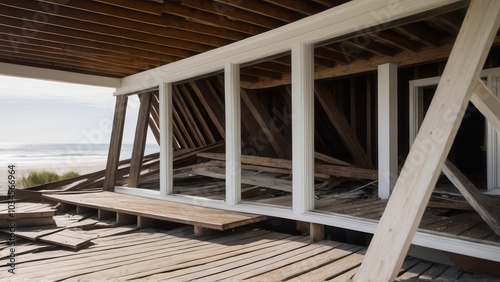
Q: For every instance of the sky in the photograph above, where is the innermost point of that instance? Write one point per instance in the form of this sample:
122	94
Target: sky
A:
40	111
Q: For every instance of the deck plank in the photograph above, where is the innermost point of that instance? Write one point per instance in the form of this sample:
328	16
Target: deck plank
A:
162	210
333	269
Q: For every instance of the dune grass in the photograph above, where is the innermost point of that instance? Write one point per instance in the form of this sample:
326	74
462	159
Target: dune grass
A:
36	178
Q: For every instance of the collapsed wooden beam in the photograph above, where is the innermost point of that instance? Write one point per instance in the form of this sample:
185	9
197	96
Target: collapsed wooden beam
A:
432	144
141	132
325	169
115	144
487	103
343	128
267	126
484	207
257	180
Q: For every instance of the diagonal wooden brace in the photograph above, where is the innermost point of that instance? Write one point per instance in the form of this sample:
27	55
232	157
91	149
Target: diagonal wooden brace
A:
432	144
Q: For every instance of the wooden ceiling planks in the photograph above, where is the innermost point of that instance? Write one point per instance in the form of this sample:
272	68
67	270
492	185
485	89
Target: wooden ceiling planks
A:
226	13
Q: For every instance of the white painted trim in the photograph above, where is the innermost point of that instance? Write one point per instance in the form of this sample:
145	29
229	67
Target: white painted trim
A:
422	238
303	127
58	75
416	103
141	192
456	245
233	133
416	117
342	20
166	139
387	128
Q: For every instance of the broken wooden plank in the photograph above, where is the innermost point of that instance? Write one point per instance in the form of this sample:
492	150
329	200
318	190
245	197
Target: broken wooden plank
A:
331	160
336	170
261	181
349	172
67	238
484	207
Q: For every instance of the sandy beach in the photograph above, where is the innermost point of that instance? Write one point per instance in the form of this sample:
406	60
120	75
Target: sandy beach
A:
25	170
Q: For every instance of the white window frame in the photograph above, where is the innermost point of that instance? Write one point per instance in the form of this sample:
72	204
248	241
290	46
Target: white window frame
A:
492	136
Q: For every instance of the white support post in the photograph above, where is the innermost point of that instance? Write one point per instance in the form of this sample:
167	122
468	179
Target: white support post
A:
387	129
233	133
303	127
166	140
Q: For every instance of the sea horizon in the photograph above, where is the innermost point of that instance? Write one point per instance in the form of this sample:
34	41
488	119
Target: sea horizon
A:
62	154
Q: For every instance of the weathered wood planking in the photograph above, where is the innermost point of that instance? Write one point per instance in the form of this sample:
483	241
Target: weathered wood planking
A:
169	211
253	255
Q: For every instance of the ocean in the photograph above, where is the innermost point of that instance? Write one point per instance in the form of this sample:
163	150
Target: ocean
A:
62	155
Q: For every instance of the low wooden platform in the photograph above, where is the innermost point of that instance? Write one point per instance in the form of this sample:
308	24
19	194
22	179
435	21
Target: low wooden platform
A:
176	255
126	205
25	214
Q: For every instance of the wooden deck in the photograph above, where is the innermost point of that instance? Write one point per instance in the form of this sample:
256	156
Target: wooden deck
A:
157	209
256	255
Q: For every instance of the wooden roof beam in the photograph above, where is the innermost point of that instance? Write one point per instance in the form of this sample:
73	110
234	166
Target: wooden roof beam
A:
349	52
391	37
126	19
450	22
260	72
115	34
264	9
165	21
299	6
416	32
226	12
325	53
210	19
272	66
369	44
140	6
84	46
27	48
114	43
331	3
